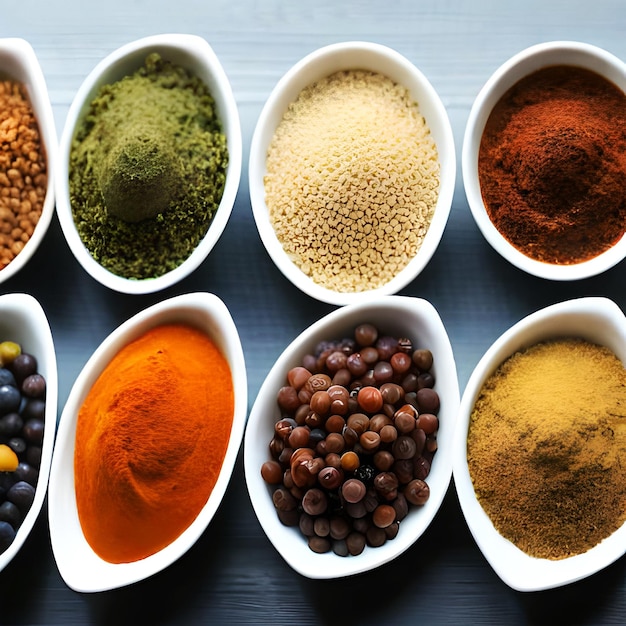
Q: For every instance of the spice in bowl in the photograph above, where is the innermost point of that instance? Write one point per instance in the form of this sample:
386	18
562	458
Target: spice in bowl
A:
147	170
544	447
22	412
353	447
551	165
352	179
151	438
23	171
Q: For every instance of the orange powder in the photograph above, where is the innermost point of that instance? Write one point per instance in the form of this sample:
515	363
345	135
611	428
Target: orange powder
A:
151	438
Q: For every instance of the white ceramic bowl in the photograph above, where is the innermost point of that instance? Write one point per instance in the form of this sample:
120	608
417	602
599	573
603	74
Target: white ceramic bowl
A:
23	320
396	315
197	56
315	66
522	64
597	320
81	568
19	62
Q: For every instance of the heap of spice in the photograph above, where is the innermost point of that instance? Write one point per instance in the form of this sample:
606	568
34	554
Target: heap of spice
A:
23	170
552	165
352	180
147	170
545	449
151	437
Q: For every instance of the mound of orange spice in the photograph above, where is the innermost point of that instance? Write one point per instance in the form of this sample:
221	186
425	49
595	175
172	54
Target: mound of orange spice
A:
151	438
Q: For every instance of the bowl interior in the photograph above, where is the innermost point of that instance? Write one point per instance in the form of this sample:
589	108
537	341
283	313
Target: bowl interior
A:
18	62
597	320
23	320
194	54
317	65
398	315
81	568
516	68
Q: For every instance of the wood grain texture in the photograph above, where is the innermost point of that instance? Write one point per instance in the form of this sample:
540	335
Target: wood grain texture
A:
233	575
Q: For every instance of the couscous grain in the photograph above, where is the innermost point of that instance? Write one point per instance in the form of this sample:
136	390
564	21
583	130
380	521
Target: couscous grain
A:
352	180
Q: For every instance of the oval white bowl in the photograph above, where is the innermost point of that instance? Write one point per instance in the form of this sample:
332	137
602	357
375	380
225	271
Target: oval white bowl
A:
396	315
597	320
517	67
81	568
23	320
19	62
317	65
197	56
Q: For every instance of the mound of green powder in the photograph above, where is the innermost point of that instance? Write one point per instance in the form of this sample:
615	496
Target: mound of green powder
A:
147	170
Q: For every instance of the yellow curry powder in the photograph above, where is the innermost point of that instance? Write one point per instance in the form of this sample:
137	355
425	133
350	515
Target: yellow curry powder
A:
547	447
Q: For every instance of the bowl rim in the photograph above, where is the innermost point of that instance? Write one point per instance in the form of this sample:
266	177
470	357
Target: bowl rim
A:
34	324
315	65
427	326
524	62
195	53
597	319
81	569
20	63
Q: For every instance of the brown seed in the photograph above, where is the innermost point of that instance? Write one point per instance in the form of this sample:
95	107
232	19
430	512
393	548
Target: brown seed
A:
384	515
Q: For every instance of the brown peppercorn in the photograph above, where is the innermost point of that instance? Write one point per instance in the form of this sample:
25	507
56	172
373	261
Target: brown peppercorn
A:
383	460
417	492
388	433
375	536
320	402
392	393
339	527
423	359
404	418
320	545
297	376
356	543
283	500
401	506
335	442
359	422
283	428
370	399
428	422
386	485
314	501
427	400
288	400
378	421
272	472
334	424
404	447
370	441
392	530
340	397
330	477
350	461
384	515
321	526
306	524
353	490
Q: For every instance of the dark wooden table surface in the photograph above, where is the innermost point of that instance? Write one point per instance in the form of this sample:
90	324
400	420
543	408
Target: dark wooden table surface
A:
233	575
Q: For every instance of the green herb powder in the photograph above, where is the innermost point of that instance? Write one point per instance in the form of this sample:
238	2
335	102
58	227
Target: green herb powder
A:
147	170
